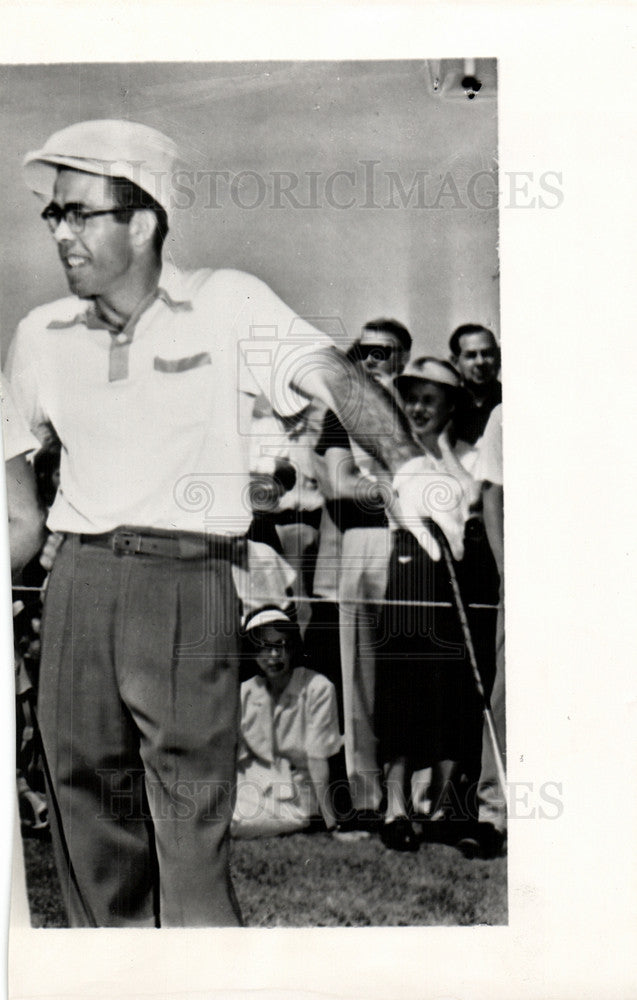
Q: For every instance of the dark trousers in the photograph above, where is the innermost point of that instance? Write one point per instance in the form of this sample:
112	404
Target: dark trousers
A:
139	719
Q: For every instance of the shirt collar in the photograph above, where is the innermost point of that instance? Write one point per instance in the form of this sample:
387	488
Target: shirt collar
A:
170	290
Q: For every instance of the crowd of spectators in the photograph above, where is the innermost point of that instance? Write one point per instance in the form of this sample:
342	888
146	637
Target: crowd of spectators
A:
359	707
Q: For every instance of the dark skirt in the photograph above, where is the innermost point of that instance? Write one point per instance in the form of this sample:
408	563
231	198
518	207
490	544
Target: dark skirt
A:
427	707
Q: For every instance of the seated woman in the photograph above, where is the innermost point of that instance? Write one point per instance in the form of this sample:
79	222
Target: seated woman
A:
289	730
428	714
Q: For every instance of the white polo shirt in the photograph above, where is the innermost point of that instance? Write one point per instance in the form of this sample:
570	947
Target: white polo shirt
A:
154	420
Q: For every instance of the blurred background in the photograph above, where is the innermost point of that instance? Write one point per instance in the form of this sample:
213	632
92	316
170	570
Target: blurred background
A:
354	189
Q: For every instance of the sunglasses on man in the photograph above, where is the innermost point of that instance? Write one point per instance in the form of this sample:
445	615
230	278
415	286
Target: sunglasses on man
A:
378	352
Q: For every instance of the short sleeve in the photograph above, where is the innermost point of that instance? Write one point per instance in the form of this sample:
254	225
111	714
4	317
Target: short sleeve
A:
17	438
323	738
333	435
488	467
23	376
275	344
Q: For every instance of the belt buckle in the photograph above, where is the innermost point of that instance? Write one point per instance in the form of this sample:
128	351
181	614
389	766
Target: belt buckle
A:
126	542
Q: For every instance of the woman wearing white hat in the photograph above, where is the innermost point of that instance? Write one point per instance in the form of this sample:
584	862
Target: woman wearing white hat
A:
427	708
289	730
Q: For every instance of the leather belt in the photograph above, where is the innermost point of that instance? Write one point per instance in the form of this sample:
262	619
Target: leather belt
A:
131	541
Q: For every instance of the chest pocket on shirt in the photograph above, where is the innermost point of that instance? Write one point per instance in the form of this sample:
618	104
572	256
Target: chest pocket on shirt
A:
187	391
177	365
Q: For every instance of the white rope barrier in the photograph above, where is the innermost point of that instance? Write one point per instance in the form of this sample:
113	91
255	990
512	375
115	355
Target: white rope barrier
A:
382	602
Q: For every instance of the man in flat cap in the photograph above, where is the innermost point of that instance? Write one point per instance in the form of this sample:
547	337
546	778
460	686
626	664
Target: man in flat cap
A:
146	375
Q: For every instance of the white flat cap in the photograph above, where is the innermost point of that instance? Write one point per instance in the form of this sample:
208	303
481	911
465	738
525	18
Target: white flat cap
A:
428	370
112	148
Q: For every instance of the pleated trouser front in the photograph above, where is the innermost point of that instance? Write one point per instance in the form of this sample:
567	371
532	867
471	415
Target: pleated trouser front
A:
139	717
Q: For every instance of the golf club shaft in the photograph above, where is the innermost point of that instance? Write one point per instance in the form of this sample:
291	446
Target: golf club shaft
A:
464	623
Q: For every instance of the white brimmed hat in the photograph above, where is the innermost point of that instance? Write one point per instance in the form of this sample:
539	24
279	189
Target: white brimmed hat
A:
428	370
267	616
111	148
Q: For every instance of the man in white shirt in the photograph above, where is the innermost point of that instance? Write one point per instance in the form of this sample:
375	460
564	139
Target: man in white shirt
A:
147	375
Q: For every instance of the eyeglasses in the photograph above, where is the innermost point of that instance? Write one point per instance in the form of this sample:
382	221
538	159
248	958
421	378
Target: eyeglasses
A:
379	352
75	216
278	647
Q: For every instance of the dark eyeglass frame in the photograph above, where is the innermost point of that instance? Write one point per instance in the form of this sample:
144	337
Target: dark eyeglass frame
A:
75	216
285	645
381	352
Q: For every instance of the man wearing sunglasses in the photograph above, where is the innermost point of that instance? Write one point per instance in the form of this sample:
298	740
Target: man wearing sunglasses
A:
384	348
356	503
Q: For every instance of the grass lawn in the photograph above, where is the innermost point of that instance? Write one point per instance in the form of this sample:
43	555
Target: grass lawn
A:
312	880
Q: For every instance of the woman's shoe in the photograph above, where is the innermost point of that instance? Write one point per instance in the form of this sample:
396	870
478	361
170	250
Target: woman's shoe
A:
399	835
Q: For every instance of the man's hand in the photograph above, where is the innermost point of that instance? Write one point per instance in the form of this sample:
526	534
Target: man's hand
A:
423	493
407	510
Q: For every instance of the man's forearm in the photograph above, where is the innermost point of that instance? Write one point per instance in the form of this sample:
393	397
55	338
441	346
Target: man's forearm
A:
366	411
26	519
382	429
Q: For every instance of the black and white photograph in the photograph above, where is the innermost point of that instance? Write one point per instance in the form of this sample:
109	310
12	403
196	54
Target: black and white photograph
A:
301	370
258	583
